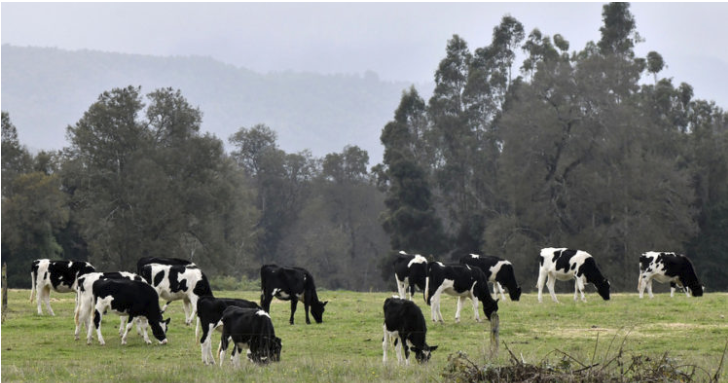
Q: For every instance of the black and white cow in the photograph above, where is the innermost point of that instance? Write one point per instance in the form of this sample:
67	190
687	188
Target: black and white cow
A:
209	313
461	281
128	298
85	300
409	271
59	276
404	326
174	282
664	267
498	271
565	264
161	261
250	329
292	284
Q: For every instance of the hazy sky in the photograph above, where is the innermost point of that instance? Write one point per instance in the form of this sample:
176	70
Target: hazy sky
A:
399	41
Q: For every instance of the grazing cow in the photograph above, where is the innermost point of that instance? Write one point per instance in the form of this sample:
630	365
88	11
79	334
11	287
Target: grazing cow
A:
404	326
128	298
60	276
209	313
161	261
292	284
498	271
85	299
461	281
174	282
565	264
251	329
409	271
668	267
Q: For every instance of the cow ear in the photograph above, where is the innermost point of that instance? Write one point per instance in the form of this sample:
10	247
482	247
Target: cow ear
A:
324	303
433	348
166	321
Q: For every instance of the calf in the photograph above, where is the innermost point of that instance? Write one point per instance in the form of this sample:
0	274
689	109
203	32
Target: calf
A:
498	271
251	329
60	276
209	313
174	282
461	281
292	284
565	264
128	298
409	271
666	267
404	326
85	299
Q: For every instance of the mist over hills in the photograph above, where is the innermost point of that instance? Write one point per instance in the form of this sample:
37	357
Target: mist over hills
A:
47	89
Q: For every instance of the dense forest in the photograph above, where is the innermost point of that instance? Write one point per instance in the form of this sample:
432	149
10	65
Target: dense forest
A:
588	149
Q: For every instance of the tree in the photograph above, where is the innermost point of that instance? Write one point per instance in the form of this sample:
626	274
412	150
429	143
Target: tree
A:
143	181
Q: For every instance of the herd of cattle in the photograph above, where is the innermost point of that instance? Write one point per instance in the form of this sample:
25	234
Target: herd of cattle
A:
135	297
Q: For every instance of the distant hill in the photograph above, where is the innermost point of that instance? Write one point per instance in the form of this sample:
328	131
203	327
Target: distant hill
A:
47	89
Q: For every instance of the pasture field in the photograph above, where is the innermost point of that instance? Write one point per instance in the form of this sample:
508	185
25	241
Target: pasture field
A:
347	347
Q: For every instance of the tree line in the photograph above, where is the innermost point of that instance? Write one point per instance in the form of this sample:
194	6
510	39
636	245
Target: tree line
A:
571	149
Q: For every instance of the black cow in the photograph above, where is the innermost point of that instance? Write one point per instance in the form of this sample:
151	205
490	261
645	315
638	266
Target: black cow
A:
251	329
409	271
461	281
209	313
60	276
292	284
565	264
128	298
498	271
664	267
405	326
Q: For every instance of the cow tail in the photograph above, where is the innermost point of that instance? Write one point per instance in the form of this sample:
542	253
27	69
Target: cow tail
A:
33	277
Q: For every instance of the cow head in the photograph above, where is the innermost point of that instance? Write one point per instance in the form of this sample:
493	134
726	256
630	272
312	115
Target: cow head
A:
423	354
515	294
266	350
317	310
490	308
696	289
603	289
160	331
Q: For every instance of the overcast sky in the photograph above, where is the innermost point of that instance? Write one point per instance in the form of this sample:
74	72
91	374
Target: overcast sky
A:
402	41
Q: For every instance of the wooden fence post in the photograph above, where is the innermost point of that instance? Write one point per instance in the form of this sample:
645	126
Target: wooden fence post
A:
494	334
5	290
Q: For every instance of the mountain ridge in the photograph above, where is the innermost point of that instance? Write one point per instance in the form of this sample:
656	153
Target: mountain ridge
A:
319	112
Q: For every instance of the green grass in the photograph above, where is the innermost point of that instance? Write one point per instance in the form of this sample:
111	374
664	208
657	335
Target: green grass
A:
347	346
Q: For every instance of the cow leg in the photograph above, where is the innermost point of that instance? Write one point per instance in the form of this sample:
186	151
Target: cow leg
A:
97	324
475	306
398	350
47	300
403	344
401	287
129	325
385	343
122	325
579	287
236	355
265	299
221	351
539	285
164	308
305	309
649	288
550	284
459	307
294	303
502	292
641	284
